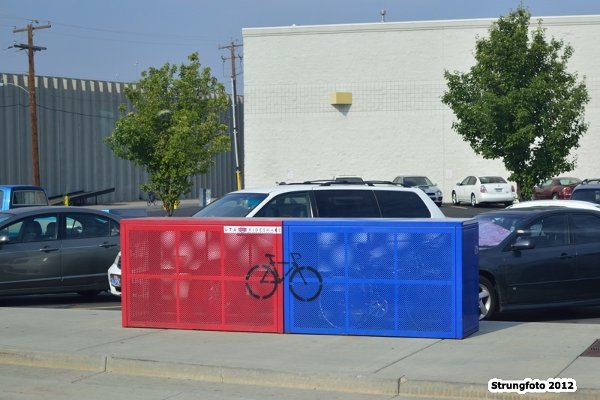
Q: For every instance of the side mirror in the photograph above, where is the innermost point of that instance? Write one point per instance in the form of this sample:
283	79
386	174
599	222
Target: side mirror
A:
4	239
522	244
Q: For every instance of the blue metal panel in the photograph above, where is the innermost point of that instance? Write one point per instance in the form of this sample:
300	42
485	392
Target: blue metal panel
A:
383	277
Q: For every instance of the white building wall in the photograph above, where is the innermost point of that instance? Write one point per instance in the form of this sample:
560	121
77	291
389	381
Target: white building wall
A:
396	123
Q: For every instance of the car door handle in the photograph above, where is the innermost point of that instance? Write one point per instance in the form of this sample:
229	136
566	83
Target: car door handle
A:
47	249
107	245
565	256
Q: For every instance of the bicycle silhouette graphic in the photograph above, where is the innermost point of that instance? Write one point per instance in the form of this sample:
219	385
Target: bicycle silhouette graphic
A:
305	282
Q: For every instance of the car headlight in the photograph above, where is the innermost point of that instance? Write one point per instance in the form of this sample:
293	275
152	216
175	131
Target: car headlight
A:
115	280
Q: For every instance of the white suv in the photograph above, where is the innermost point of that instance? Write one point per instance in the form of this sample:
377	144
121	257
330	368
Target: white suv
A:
325	199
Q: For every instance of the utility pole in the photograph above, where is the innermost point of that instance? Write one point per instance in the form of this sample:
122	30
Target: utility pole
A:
32	103
232	46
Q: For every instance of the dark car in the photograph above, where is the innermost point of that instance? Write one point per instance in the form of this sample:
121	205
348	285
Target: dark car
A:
555	188
538	258
587	190
423	183
56	249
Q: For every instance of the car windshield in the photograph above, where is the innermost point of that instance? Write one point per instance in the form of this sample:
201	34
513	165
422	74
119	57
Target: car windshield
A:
417	181
569	181
4	217
491	179
232	205
493	229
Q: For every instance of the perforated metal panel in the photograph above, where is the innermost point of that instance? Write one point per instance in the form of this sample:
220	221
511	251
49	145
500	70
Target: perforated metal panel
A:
385	277
192	274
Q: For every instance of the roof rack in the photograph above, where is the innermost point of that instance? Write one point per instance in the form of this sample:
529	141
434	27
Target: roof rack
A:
341	181
586	181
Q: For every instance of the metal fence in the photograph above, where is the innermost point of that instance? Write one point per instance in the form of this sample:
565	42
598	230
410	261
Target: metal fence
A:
74	116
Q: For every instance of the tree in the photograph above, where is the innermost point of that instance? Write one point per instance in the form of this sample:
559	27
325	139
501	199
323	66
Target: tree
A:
518	103
174	129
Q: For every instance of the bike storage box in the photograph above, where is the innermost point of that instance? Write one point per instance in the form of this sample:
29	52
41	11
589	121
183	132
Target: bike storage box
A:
190	273
410	278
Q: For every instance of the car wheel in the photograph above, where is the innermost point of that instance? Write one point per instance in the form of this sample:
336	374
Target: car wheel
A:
473	200
508	203
454	199
488	299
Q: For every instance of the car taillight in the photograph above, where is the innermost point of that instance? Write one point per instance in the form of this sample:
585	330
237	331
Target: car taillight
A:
482	189
512	188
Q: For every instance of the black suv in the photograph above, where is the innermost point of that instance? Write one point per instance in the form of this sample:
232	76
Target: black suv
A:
587	190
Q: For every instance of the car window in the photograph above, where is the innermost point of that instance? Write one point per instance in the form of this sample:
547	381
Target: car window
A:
29	197
591	195
399	204
549	231
346	204
49	228
288	205
492	179
587	228
33	229
569	181
232	205
417	181
80	225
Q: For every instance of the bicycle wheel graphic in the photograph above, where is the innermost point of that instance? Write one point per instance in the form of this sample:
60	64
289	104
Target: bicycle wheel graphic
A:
261	281
306	283
357	305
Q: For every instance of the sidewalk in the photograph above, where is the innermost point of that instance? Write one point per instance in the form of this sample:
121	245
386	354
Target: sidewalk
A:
95	341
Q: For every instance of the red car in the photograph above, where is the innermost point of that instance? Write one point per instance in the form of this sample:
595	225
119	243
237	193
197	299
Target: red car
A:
556	188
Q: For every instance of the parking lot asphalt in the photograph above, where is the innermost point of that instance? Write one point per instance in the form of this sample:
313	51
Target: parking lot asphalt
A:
92	340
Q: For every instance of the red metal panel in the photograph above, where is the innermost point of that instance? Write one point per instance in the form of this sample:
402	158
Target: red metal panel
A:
190	273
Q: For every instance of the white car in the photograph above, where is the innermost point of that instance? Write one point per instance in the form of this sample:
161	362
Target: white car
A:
484	189
579	204
114	276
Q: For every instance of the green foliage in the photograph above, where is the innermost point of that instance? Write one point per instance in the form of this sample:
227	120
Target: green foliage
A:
174	130
518	103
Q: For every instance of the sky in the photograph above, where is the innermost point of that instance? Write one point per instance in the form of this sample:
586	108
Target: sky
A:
115	40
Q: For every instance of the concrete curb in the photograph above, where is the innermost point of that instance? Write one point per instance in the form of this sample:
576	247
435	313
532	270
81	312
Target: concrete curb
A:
252	376
261	377
452	390
83	362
